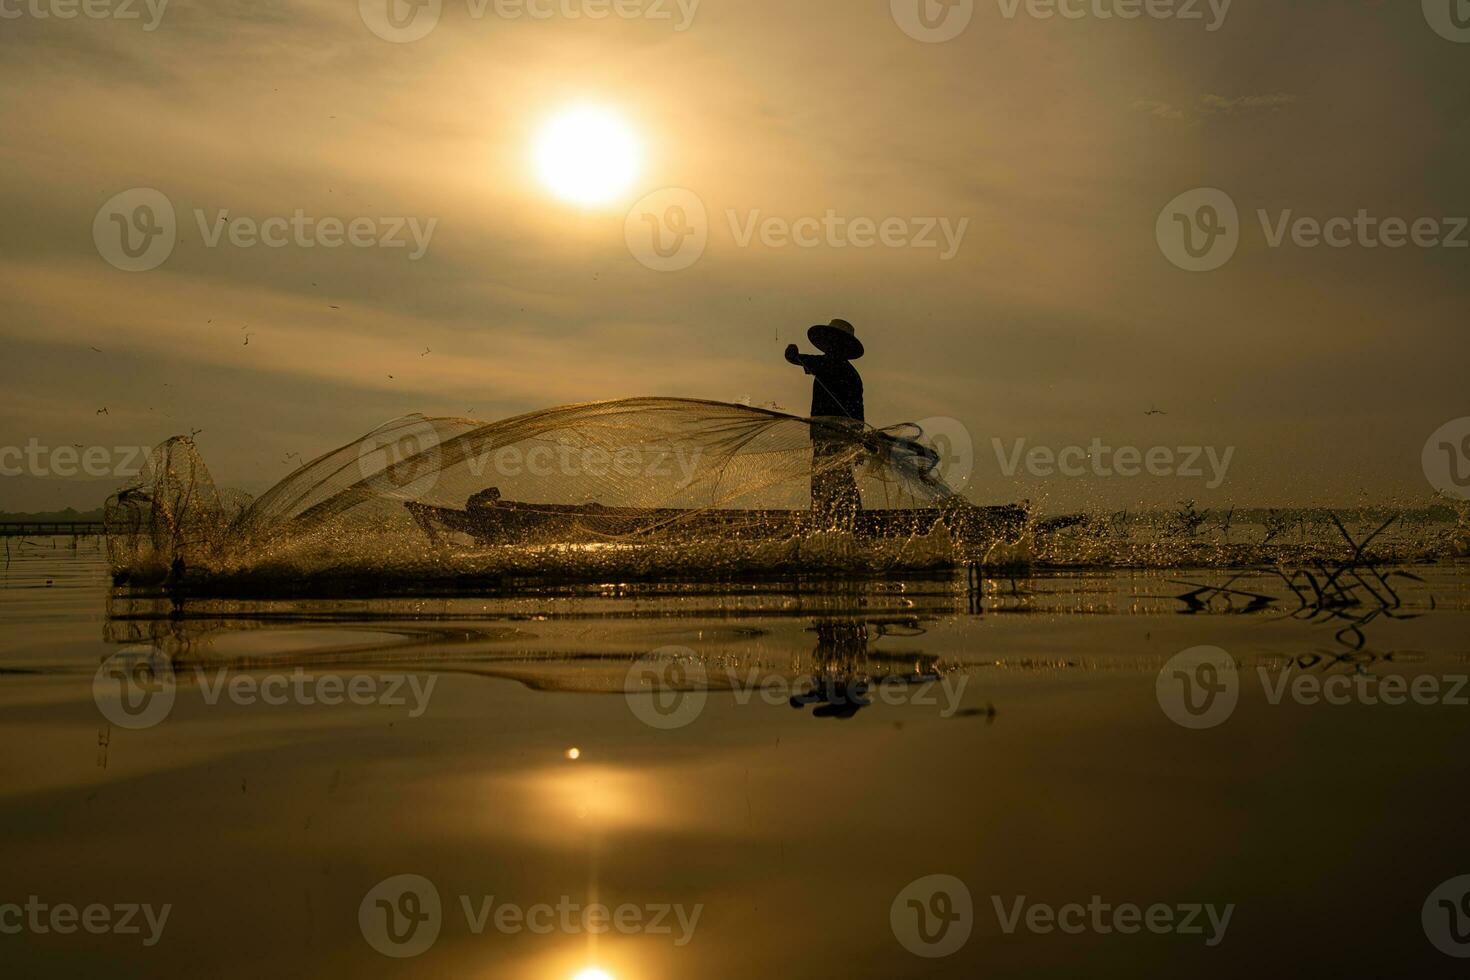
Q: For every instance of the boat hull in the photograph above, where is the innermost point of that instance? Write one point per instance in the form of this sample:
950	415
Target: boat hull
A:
501	522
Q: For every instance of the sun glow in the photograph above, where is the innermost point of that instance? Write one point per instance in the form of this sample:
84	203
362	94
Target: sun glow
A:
593	973
587	155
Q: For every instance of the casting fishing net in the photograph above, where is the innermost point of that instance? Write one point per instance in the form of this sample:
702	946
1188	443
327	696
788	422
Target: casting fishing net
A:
641	485
171	511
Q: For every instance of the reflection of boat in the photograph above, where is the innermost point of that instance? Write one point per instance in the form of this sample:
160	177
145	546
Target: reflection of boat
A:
490	520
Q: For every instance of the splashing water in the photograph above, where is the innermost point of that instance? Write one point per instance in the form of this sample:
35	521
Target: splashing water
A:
650	487
641	486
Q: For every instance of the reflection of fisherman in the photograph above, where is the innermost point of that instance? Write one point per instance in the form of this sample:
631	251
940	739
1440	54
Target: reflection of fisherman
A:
173	584
837	414
839	688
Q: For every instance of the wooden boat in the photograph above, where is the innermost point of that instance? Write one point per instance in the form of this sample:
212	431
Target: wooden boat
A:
489	520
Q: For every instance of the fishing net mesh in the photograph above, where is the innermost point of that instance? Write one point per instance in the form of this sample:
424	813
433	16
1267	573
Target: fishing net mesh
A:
641	484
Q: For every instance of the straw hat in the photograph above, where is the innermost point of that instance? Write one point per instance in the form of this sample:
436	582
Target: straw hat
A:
837	338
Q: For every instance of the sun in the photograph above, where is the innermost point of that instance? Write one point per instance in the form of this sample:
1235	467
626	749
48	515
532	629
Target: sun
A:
587	155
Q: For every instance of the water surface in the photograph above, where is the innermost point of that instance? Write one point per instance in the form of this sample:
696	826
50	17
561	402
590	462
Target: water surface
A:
637	747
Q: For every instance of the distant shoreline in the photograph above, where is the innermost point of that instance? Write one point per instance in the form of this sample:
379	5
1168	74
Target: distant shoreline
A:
67	514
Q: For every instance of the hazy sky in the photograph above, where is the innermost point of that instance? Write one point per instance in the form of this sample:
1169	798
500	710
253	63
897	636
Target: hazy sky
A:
1054	142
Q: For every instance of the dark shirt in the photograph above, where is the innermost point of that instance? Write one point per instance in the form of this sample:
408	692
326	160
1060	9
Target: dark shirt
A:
837	388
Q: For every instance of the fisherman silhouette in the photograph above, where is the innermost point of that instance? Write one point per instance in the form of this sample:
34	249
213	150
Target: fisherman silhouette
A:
837	416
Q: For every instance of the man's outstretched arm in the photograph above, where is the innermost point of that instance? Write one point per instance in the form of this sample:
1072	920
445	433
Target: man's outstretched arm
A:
794	355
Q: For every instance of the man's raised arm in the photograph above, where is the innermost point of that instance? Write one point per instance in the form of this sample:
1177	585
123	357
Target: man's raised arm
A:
794	355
